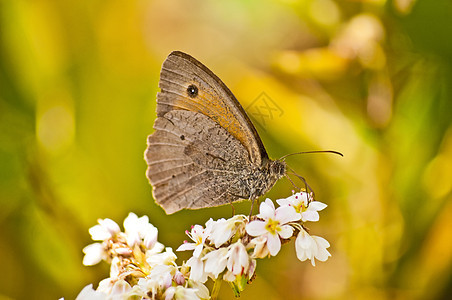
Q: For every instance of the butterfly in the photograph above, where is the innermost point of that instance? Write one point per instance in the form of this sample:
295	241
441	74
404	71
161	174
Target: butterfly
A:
204	151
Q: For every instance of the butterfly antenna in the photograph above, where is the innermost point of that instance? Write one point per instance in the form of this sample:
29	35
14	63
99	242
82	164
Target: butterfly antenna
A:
315	151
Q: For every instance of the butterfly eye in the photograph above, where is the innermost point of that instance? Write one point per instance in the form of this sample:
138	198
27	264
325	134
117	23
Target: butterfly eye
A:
192	91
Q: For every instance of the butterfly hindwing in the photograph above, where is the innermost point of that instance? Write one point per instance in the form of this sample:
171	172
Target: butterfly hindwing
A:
188	166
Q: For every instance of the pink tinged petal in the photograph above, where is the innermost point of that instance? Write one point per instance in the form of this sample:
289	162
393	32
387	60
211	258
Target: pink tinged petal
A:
251	269
186	246
179	278
93	254
286	231
310	215
286	214
266	209
243	257
317	205
256	228
238	259
273	244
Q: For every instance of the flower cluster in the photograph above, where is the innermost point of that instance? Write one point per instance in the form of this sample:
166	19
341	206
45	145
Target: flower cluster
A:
223	250
141	267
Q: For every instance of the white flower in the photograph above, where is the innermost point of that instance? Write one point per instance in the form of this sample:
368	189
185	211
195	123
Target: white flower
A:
146	286
140	230
105	230
163	274
198	235
238	259
260	246
303	206
310	247
197	272
215	261
252	268
94	253
181	293
115	267
201	290
89	293
222	230
114	288
165	258
273	226
158	248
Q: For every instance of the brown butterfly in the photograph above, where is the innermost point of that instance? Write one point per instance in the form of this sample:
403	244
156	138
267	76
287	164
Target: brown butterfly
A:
205	151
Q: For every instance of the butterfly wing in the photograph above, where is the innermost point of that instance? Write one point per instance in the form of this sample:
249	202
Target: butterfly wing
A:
204	145
180	72
189	165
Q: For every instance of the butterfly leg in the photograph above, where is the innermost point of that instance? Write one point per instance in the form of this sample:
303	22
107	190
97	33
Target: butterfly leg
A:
251	209
308	189
233	209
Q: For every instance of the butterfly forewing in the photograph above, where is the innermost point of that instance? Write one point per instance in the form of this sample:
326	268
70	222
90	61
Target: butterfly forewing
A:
213	99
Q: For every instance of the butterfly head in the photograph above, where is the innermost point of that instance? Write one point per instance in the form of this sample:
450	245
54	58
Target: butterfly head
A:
278	168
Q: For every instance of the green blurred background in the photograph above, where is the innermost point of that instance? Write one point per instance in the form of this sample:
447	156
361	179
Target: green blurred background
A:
371	79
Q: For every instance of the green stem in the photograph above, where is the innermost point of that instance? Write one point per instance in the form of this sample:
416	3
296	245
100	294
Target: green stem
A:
216	288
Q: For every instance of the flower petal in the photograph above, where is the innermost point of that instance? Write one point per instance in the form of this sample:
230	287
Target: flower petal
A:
266	209
286	231
256	228
285	202
286	214
197	269
198	250
322	254
310	215
93	254
273	244
186	246
215	261
317	205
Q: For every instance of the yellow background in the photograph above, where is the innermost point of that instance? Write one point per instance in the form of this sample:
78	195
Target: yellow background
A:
371	79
